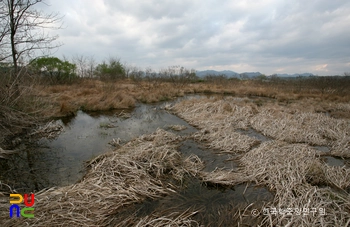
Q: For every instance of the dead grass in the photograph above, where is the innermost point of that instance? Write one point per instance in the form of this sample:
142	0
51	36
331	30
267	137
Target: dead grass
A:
218	124
304	127
284	167
171	220
19	106
219	120
151	167
177	127
147	167
95	95
338	176
287	165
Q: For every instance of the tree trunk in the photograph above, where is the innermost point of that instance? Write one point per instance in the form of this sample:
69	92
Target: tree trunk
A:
13	33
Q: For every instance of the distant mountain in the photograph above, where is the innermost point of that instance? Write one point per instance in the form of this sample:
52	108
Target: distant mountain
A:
247	75
250	74
227	73
295	75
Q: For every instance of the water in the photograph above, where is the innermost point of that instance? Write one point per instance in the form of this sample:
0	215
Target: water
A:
211	159
214	205
333	161
322	149
61	161
254	134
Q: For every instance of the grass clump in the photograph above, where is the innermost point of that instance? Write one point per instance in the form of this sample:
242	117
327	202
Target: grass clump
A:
147	167
177	127
288	165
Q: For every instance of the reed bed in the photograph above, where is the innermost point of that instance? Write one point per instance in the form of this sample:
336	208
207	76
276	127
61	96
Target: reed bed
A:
150	167
338	177
284	168
174	219
147	167
304	127
288	164
95	95
218	121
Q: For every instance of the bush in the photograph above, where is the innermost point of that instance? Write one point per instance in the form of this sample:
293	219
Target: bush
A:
113	70
54	69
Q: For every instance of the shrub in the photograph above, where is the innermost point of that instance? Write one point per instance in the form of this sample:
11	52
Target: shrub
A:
54	69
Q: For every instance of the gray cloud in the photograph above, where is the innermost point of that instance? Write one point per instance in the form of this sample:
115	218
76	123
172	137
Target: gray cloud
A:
268	36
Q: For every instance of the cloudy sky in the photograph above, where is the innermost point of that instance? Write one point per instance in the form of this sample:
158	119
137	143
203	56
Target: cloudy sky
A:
270	36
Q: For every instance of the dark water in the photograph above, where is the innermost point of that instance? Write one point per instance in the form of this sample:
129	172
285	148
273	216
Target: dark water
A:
214	206
60	161
211	159
207	198
322	149
334	161
254	134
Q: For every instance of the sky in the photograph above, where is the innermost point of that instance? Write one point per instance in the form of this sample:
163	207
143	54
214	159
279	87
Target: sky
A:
269	36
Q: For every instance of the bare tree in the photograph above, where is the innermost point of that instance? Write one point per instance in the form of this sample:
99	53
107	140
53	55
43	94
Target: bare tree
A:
178	75
135	74
23	30
4	31
81	63
91	65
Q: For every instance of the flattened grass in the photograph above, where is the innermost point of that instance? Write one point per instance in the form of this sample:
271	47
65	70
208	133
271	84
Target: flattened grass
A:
150	167
288	165
146	167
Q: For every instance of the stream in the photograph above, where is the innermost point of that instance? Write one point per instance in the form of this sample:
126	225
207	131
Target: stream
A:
60	162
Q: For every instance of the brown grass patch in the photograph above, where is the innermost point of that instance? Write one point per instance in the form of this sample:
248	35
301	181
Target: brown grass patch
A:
287	165
87	93
218	126
177	127
147	167
95	95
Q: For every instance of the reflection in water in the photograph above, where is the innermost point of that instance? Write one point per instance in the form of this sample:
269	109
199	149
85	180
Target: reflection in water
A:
211	160
67	120
59	162
31	169
214	205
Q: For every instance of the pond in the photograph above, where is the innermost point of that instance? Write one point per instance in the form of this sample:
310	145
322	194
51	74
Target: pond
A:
60	161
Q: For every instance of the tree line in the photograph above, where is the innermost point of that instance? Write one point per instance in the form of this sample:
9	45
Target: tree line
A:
58	70
24	37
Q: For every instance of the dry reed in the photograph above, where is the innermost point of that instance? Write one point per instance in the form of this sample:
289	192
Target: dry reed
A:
150	166
94	95
146	167
287	165
173	219
219	120
177	127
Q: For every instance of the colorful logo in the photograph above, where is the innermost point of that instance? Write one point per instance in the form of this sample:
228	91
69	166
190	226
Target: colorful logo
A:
18	200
